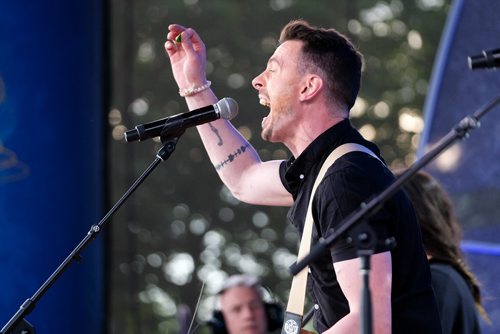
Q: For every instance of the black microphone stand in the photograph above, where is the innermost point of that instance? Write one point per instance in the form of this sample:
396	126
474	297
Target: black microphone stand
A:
356	224
17	324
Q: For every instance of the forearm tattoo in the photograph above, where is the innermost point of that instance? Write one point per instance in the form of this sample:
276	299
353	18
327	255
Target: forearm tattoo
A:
232	156
214	130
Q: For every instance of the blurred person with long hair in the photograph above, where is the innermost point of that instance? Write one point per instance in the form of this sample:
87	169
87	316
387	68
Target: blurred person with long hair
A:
457	289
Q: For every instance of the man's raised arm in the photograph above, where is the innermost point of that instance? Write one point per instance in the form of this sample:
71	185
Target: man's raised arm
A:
236	161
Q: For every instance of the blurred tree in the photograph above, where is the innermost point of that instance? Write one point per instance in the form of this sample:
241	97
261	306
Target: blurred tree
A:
182	227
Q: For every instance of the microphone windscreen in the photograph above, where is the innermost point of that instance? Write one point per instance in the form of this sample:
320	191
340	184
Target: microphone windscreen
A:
228	108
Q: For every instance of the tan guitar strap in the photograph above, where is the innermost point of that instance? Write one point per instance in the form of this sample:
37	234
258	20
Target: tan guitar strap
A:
296	299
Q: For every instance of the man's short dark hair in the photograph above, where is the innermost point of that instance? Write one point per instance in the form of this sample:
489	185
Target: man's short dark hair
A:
333	54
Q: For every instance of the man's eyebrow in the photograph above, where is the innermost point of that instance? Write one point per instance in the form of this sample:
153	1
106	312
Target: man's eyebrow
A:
273	60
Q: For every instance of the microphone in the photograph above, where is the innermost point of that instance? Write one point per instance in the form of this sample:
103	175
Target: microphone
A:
488	59
227	108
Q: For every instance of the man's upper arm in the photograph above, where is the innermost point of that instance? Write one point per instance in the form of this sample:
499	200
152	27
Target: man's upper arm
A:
261	184
380	275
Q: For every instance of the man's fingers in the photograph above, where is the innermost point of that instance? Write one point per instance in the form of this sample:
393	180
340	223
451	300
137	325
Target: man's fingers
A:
182	38
185	40
170	46
176	28
175	31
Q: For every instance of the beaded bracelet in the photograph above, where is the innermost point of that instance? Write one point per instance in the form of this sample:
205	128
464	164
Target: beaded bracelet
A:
194	90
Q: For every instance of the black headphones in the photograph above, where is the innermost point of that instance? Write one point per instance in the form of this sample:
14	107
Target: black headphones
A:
274	315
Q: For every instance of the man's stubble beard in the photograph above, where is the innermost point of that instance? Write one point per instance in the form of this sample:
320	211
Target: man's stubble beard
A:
267	132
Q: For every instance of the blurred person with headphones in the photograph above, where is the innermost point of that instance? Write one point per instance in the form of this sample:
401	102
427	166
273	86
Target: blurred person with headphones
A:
243	310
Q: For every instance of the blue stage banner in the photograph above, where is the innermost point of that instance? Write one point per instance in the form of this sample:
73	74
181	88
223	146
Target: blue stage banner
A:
51	161
469	170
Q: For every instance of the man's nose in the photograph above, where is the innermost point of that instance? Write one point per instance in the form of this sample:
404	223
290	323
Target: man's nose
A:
257	82
248	312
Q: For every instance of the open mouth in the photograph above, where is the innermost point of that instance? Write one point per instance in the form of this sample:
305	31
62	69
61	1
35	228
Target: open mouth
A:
264	102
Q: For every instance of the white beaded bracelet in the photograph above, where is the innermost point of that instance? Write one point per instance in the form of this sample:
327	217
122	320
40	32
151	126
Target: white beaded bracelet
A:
194	90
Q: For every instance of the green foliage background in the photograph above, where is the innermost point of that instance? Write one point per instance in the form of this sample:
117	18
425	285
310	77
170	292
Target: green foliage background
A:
182	227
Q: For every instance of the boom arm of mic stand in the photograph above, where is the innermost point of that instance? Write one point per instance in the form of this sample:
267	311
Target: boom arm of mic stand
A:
460	131
169	144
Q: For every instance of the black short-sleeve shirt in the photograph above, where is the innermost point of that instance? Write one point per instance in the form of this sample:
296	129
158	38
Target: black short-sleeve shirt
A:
355	178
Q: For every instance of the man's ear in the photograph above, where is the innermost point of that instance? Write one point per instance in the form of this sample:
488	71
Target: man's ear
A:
313	84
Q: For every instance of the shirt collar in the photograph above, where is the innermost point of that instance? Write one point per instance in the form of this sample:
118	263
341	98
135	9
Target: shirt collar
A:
316	152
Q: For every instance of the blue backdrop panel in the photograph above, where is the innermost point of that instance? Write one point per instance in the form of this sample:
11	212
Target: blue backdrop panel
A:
470	170
51	160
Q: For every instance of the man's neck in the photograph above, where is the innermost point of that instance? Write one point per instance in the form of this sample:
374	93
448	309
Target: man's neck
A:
307	132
